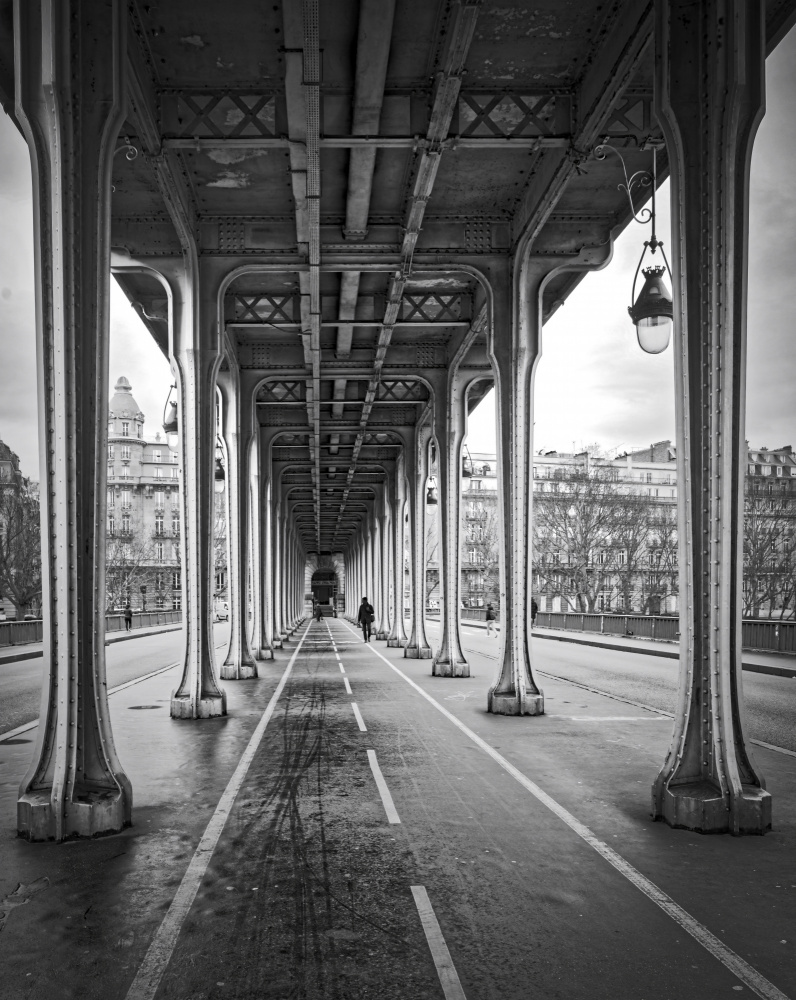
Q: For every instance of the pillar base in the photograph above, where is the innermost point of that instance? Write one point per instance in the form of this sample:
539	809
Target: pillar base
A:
418	652
382	635
237	671
510	703
448	668
204	708
699	806
277	643
396	643
94	813
266	653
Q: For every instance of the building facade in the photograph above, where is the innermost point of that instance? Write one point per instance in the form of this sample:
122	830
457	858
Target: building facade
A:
143	529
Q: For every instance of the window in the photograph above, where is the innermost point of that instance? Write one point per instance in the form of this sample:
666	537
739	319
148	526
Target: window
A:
649	477
110	426
157	455
111	524
159	551
779	470
158	473
751	470
475	484
176	600
174	458
126	451
139	430
125	472
126	499
110	451
159	524
160	499
175	551
125	428
175	581
126	524
766	470
175	525
548	603
174	473
175	501
656	492
111	498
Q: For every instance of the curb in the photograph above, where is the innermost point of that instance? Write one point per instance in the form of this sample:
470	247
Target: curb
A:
109	640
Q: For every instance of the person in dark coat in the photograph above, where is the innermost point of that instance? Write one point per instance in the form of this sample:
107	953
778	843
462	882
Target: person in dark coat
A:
128	618
534	611
365	618
490	620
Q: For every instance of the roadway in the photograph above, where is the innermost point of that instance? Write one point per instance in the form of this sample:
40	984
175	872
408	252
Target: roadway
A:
21	680
356	829
649	681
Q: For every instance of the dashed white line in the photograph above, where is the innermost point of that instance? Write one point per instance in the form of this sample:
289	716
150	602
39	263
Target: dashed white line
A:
358	716
446	970
384	791
342	669
347	685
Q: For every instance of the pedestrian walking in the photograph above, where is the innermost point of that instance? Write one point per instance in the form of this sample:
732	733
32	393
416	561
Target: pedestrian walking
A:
365	618
490	620
128	618
318	612
534	612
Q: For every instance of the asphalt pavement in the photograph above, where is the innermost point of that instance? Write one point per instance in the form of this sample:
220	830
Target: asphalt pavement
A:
21	680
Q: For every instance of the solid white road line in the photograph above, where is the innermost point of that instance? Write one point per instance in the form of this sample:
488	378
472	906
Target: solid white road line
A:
744	972
347	685
384	791
610	718
358	717
448	977
157	958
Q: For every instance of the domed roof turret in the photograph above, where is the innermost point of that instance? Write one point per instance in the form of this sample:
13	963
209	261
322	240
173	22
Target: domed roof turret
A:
122	403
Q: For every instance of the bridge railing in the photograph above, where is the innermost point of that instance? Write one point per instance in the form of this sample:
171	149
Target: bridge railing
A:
765	634
15	633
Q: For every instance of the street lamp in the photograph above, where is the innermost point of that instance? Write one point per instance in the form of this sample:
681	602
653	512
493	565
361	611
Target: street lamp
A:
220	474
652	312
431	493
170	421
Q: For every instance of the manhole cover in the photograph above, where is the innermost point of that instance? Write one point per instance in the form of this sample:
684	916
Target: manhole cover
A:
140	707
12	743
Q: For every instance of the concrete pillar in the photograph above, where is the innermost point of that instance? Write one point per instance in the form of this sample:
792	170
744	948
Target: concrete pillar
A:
257	534
514	350
450	416
237	429
72	58
397	636
417	647
267	557
709	109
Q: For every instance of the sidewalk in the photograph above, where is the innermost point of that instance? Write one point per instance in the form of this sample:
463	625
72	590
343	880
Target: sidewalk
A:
31	650
755	661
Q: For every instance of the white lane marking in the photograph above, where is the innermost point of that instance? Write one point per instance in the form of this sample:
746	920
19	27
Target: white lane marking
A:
741	969
448	977
114	690
384	791
159	953
347	685
358	717
342	668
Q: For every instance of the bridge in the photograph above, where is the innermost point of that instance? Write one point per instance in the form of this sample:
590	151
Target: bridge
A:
343	223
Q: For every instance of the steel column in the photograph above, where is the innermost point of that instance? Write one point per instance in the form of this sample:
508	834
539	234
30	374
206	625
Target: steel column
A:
397	636
70	63
417	647
709	107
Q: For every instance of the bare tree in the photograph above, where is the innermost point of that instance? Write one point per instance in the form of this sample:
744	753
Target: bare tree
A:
126	562
590	538
769	549
20	545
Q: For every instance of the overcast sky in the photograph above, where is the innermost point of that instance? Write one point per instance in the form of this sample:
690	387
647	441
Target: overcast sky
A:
593	383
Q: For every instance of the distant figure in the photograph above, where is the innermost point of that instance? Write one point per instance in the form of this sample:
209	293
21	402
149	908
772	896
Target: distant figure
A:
534	612
490	620
128	618
365	618
318	612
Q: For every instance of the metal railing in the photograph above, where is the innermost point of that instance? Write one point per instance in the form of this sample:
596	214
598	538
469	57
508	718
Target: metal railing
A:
15	633
764	634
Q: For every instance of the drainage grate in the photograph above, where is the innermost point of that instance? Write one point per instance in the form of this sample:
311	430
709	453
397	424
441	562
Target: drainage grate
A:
137	707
